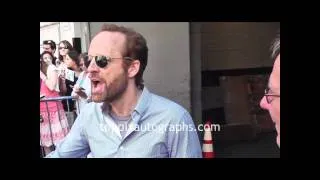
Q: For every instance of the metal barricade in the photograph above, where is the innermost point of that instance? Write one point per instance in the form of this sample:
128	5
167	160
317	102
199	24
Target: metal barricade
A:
56	105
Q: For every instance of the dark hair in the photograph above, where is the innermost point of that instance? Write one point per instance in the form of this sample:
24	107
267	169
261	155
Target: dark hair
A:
136	48
51	43
67	45
74	56
275	47
84	56
43	64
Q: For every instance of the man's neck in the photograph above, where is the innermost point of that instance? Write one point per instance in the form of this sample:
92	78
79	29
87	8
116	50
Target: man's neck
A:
125	105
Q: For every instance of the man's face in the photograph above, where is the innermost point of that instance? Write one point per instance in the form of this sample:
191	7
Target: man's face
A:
273	106
47	47
108	83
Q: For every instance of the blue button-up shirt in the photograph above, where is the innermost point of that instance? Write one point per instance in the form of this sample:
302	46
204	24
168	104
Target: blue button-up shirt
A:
159	128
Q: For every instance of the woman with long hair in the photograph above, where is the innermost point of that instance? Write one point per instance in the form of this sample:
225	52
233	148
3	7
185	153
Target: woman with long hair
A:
54	126
63	49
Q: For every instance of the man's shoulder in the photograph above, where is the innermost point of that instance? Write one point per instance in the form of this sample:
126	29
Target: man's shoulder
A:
90	110
165	104
168	110
91	107
89	113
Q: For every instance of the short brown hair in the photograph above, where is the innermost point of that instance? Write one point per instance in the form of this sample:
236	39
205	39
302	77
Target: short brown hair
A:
136	48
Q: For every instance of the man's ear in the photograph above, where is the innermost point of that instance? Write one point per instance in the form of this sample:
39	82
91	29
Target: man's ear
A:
133	68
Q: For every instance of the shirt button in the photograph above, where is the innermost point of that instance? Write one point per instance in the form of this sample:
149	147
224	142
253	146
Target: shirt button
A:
121	148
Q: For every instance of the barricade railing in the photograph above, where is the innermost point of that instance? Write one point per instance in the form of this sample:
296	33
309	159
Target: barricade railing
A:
69	113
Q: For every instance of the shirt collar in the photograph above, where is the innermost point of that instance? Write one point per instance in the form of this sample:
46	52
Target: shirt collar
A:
143	101
141	107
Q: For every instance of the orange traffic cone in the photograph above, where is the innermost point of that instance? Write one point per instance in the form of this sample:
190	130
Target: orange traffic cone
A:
207	147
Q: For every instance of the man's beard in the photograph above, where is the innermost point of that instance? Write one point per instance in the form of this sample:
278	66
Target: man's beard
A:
114	90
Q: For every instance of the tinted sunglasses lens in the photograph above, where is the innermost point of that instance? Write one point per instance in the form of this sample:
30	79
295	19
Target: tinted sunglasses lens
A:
102	61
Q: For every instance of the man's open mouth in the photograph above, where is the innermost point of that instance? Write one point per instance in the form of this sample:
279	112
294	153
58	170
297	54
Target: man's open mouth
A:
95	83
98	87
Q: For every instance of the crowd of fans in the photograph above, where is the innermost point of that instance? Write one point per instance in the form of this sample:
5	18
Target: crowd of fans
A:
65	75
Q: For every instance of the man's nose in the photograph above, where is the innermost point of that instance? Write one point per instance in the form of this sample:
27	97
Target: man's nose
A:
263	103
92	67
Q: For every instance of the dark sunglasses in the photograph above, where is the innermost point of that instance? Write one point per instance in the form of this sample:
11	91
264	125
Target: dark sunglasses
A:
62	48
103	61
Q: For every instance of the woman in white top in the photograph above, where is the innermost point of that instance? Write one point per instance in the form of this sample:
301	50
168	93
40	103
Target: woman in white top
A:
64	48
82	88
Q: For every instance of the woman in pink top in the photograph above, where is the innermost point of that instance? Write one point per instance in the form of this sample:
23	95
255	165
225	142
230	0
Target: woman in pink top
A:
52	129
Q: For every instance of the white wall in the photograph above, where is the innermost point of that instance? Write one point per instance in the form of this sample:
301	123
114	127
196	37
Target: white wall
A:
67	31
58	31
168	70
